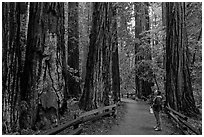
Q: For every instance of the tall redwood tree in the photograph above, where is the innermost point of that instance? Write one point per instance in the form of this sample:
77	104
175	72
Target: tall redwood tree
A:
178	81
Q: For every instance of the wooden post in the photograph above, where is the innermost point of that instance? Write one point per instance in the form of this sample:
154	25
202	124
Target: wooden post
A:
114	112
77	125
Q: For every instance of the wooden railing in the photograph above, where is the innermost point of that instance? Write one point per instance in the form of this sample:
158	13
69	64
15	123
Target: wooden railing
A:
182	121
87	116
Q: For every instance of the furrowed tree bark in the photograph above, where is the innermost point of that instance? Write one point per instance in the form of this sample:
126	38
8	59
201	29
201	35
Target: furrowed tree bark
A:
12	65
164	45
42	70
97	88
84	32
115	60
178	81
61	44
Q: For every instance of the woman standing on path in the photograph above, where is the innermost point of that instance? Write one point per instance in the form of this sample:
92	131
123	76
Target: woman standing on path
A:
157	107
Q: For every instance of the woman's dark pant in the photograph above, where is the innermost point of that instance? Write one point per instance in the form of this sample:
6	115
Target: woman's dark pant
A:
158	119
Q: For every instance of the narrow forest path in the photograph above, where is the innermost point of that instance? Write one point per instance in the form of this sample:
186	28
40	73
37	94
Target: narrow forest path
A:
137	120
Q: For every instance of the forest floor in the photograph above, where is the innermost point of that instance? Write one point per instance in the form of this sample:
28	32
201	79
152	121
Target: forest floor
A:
133	118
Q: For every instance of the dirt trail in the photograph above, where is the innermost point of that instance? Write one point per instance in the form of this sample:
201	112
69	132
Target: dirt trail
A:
137	121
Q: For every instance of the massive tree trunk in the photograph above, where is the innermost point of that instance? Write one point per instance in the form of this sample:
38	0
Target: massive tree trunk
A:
115	60
178	82
97	82
73	48
164	45
12	65
63	54
43	69
84	29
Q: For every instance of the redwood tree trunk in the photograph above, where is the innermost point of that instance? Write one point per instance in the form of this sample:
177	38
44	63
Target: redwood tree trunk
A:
164	45
43	69
97	88
84	29
115	61
12	65
178	82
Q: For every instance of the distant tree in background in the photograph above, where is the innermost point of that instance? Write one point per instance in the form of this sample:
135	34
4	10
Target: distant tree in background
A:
73	48
142	51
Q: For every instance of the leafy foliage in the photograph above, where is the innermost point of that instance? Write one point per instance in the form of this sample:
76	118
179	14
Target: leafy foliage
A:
126	45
